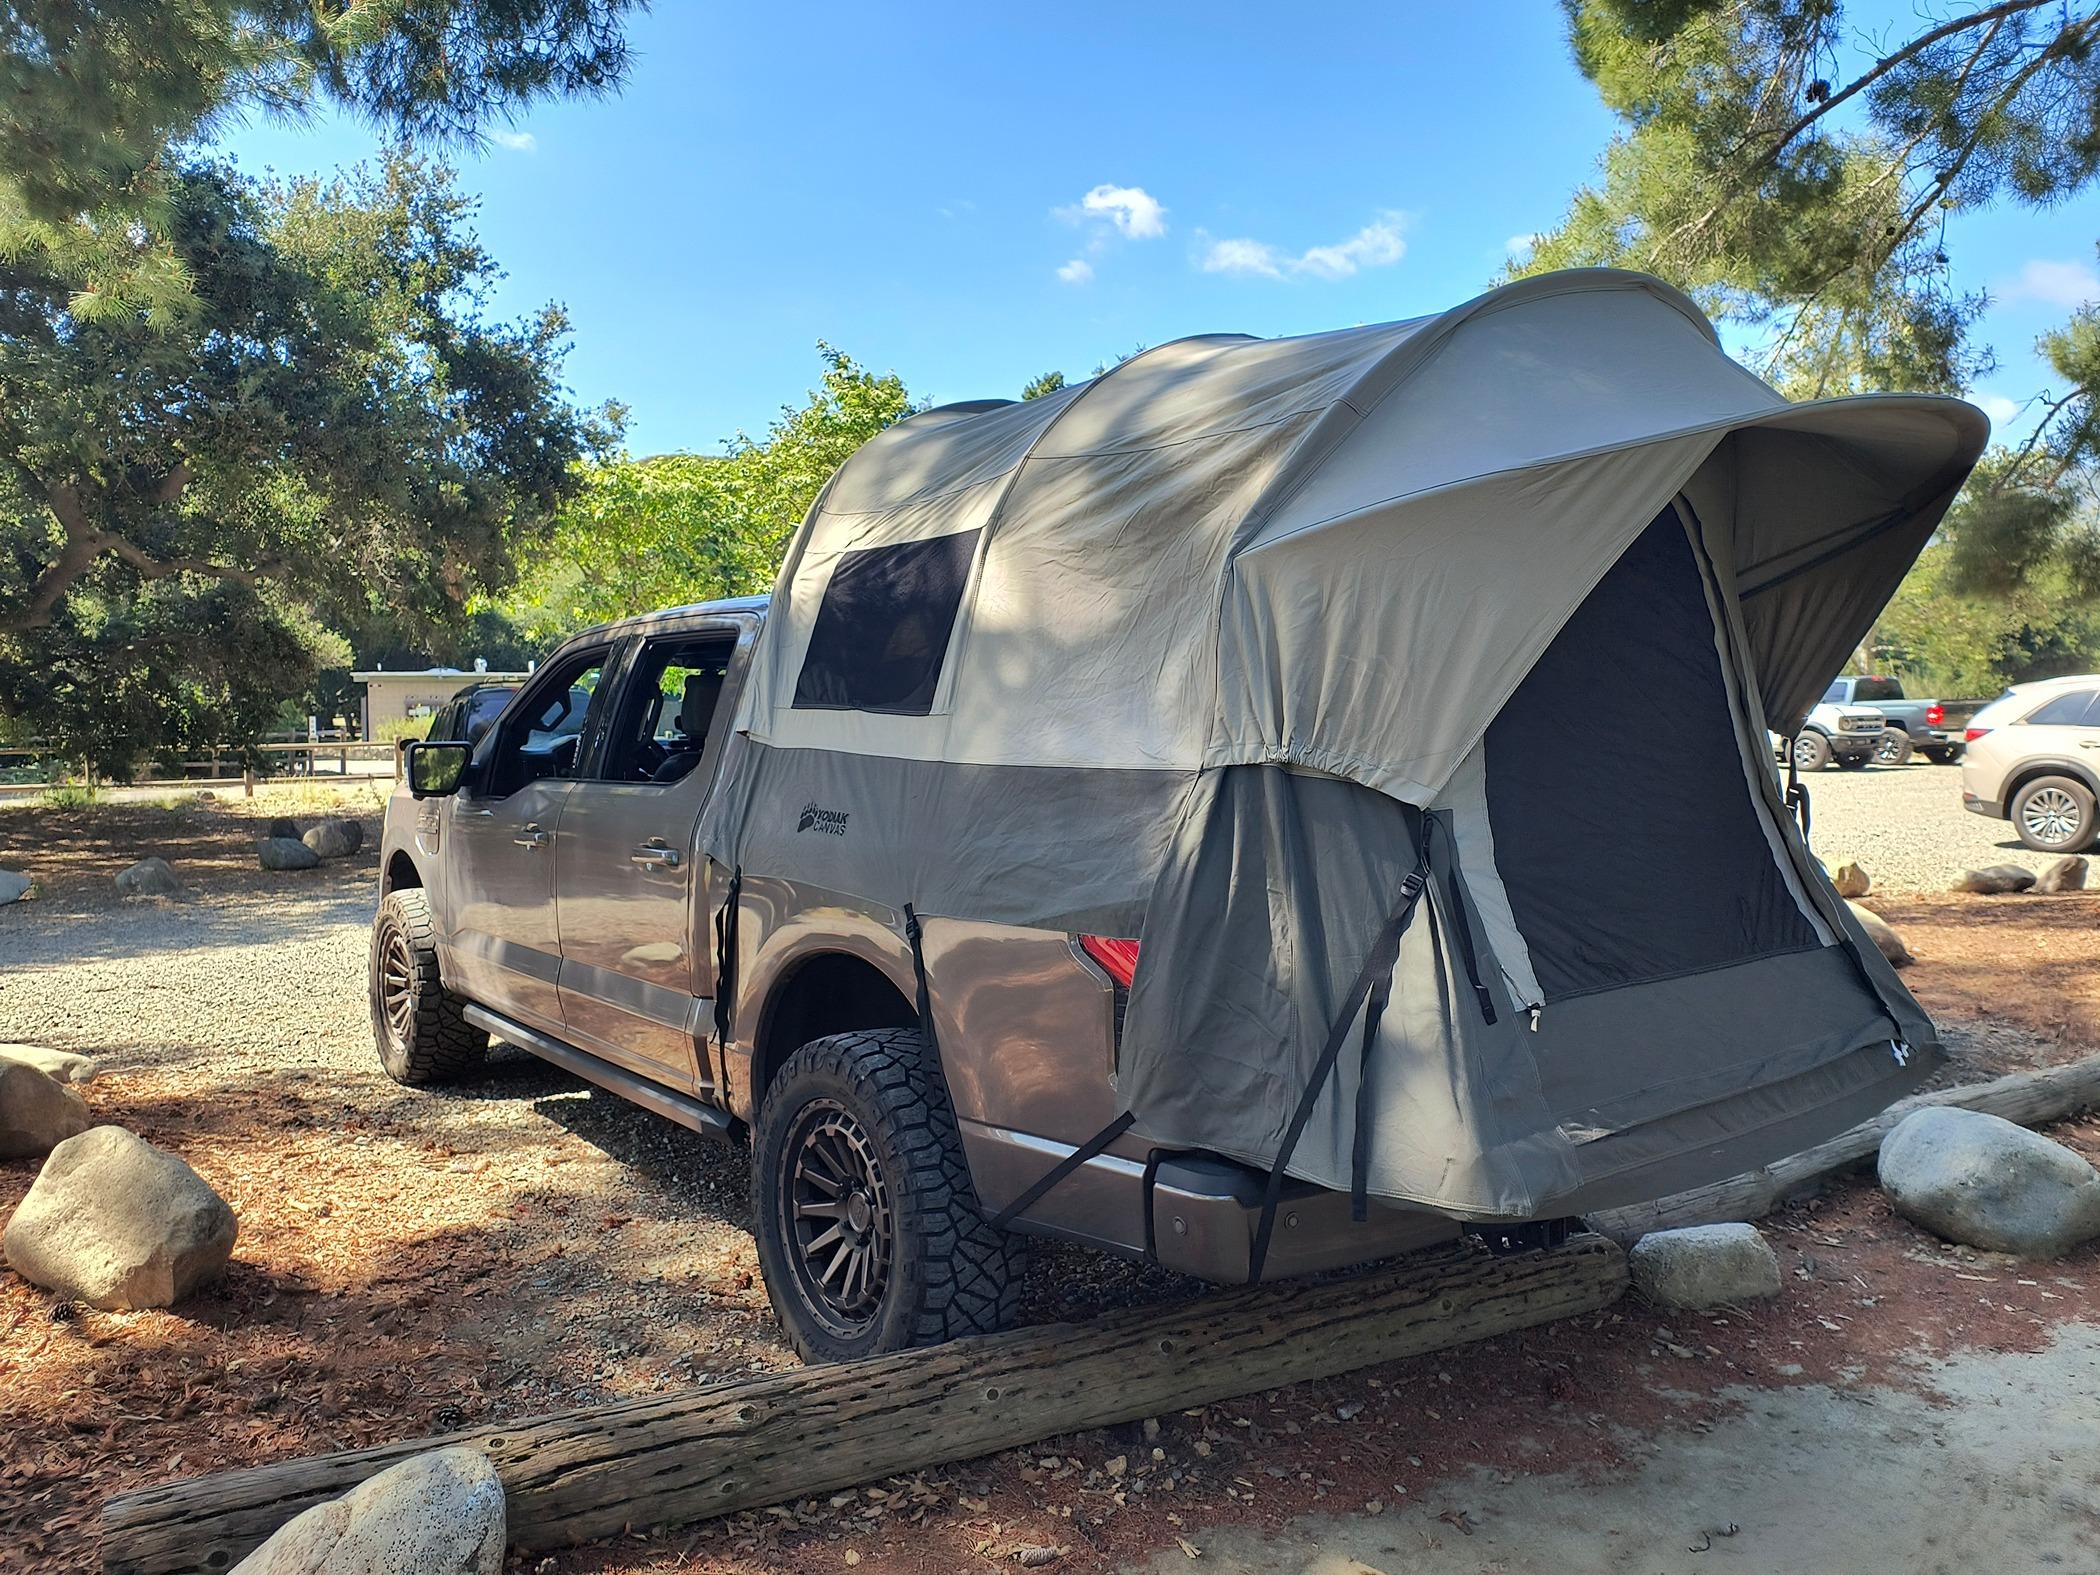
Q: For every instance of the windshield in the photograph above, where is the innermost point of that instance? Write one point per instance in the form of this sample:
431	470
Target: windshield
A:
1868	690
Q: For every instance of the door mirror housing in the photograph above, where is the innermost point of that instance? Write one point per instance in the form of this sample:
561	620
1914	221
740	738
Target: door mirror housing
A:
437	769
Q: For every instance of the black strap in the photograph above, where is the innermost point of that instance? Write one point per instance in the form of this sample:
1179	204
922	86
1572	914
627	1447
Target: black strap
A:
1360	1152
1796	791
1063	1168
1376	966
1152	1159
725	959
915	932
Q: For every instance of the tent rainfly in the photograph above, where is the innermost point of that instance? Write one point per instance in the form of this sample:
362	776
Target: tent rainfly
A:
1404	692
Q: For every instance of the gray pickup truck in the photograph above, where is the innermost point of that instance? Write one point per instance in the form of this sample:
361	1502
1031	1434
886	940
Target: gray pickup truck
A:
539	886
1932	728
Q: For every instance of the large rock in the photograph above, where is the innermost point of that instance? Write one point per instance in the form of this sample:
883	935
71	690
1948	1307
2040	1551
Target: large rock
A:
114	1222
61	1066
335	839
1995	879
1704	1266
283	826
153	877
1851	879
14	886
37	1112
1885	939
435	1514
282	853
2066	874
1983	1181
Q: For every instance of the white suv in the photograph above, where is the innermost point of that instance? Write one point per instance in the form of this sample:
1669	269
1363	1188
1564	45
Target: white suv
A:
2034	759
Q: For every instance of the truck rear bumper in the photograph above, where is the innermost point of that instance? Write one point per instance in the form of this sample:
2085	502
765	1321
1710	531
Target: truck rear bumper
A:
1205	1210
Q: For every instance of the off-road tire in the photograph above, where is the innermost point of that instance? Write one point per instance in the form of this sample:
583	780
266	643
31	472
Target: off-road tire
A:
1938	756
1810	749
949	1271
1894	749
2078	810
1854	762
418	1025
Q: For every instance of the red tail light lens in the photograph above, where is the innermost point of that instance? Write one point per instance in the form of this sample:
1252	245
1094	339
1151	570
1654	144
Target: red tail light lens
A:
1118	957
1935	715
1973	734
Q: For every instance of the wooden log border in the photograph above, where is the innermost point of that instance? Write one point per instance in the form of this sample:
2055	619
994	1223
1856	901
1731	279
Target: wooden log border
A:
676	1459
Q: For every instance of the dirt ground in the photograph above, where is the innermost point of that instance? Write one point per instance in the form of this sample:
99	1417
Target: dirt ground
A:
414	1262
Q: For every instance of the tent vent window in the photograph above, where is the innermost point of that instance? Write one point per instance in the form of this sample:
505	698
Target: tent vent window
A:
882	630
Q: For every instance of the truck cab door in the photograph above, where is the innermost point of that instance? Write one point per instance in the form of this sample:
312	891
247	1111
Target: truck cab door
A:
501	945
636	973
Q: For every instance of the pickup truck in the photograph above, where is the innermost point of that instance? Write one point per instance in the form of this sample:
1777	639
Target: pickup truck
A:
1931	727
540	886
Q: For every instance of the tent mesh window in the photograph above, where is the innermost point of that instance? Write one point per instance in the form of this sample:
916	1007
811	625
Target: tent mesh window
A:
881	632
1625	831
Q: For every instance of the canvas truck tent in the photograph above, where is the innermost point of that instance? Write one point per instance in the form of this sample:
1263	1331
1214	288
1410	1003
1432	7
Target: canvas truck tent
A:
1403	691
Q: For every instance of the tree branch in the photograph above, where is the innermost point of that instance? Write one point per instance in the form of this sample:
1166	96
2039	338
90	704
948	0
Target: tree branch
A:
86	541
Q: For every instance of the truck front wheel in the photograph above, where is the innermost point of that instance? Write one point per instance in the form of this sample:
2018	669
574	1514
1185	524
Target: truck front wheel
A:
418	1024
1811	750
869	1232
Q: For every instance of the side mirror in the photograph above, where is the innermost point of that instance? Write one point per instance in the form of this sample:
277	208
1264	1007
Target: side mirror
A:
436	769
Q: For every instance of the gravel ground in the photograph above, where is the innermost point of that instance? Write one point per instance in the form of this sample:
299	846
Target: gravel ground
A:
1907	826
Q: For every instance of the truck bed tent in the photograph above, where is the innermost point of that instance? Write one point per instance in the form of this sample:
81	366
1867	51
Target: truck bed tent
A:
1221	648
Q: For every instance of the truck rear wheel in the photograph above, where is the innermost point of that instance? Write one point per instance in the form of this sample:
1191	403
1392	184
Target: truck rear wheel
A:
868	1229
419	1025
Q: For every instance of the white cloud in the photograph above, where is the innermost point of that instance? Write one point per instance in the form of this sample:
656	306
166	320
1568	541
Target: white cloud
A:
2065	284
1077	271
1378	244
2000	409
1134	211
516	141
1523	245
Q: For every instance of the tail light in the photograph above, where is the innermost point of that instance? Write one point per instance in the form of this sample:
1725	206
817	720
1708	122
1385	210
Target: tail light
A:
1935	715
1117	957
1974	733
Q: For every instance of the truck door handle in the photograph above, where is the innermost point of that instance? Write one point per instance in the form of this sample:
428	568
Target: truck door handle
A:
533	837
654	855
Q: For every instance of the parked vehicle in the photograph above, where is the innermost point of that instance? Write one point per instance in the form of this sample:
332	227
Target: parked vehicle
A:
1933	728
1158	815
471	712
1847	734
2034	759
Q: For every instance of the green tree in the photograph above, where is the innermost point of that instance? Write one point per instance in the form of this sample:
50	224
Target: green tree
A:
1037	387
94	95
337	425
645	533
1794	169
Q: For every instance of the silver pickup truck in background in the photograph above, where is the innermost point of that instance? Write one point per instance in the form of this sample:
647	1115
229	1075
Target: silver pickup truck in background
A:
1932	728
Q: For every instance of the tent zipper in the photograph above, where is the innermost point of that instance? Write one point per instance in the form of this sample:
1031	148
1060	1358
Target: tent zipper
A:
1536	1010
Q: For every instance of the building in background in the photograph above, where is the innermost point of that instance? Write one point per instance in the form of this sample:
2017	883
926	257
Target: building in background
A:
395	699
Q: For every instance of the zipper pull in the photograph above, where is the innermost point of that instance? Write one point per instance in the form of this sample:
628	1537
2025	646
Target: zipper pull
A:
1534	1011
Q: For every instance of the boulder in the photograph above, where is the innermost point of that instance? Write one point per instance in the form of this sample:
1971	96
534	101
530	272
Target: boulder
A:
61	1066
153	877
37	1111
282	853
335	839
1885	939
283	826
1983	1181
2066	874
1851	880
1995	879
439	1513
14	886
114	1222
1704	1266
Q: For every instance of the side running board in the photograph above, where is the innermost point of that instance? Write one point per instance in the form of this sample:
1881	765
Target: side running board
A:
668	1103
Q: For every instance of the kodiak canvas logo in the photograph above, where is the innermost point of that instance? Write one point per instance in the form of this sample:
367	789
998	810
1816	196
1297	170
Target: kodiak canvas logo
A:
832	821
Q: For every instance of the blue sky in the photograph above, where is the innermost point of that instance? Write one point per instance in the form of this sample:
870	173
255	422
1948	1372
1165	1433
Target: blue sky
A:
970	196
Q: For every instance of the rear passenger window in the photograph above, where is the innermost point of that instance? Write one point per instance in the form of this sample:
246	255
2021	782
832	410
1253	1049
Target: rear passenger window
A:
882	630
2075	709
